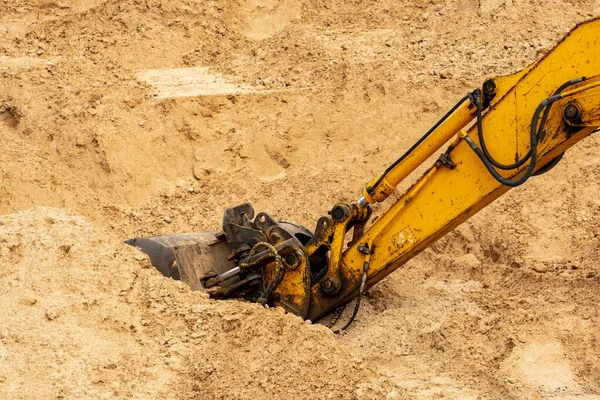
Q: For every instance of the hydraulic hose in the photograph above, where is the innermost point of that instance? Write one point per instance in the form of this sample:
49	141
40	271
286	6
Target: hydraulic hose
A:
361	291
533	137
371	189
280	270
542	124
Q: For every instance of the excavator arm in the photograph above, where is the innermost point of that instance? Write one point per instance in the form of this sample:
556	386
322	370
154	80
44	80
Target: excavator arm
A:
533	116
495	138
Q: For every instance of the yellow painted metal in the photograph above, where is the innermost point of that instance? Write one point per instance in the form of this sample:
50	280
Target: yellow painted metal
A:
443	198
421	153
335	256
293	293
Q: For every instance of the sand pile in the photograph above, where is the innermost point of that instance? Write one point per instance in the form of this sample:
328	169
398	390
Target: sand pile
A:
85	316
141	117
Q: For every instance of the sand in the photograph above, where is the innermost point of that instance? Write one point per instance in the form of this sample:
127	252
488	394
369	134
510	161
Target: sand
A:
142	117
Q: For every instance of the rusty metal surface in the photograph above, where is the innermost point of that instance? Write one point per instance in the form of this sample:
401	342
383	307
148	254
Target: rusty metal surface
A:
188	257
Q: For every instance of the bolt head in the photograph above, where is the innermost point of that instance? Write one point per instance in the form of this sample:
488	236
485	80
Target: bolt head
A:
329	285
489	86
339	213
292	261
571	111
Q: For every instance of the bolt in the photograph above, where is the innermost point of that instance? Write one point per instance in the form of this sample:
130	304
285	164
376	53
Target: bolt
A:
571	112
489	86
339	213
489	90
291	261
329	285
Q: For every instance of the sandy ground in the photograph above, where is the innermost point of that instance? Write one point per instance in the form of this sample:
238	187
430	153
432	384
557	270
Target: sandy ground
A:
141	117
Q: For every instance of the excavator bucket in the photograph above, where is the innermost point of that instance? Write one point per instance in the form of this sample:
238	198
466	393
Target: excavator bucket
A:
256	259
191	258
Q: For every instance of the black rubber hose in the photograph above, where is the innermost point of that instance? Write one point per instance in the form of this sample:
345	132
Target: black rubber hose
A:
371	189
361	292
484	149
533	148
542	124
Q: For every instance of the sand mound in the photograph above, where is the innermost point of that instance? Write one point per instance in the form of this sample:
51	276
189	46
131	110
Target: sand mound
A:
85	317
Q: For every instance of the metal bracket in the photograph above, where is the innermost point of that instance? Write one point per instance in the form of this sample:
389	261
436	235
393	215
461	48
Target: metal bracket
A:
446	161
364	248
